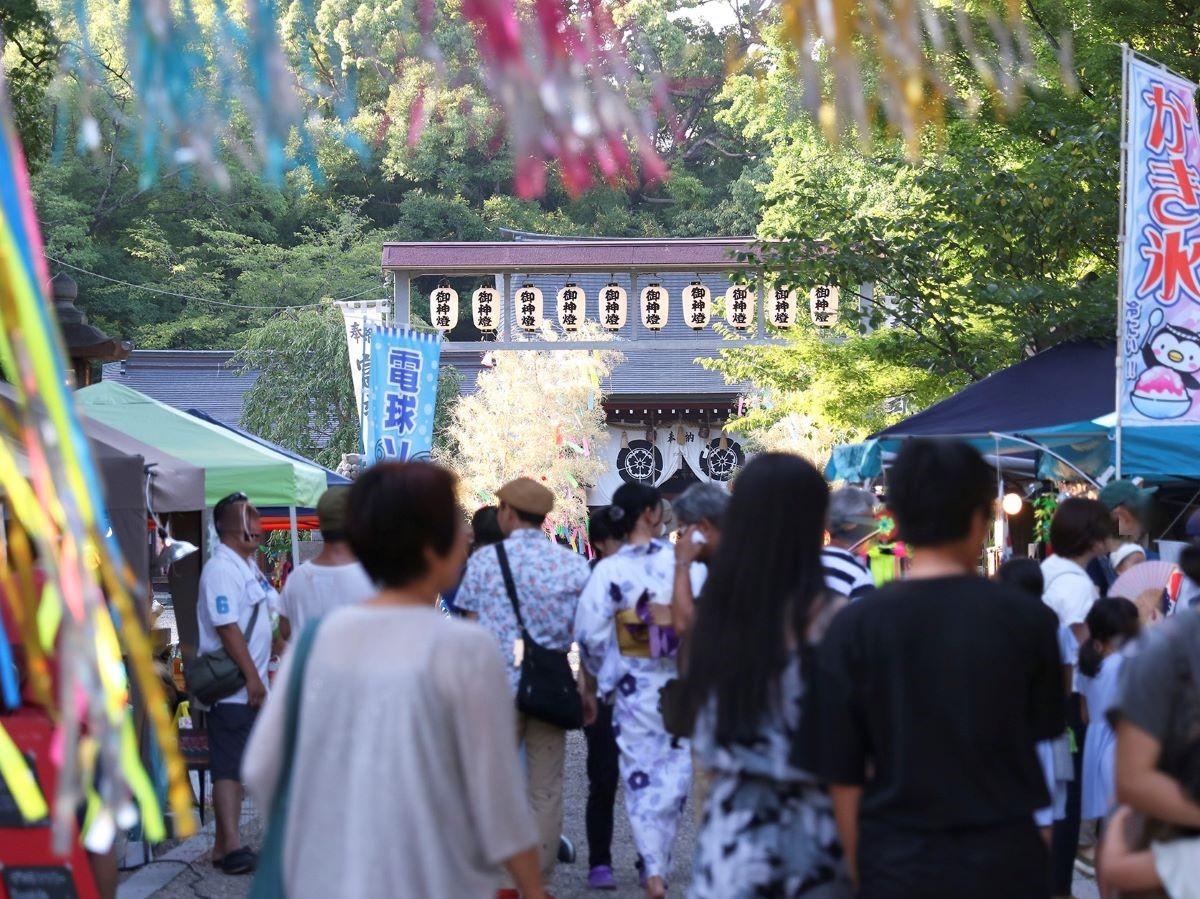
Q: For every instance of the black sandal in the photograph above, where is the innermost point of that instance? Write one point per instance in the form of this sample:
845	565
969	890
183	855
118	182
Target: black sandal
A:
240	861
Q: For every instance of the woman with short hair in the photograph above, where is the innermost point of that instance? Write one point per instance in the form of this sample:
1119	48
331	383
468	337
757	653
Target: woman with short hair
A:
391	794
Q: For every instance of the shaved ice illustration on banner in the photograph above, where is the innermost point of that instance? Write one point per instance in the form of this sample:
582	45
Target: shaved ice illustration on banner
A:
1160	312
402	394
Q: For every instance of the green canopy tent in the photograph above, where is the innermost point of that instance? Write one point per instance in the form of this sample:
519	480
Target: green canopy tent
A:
230	462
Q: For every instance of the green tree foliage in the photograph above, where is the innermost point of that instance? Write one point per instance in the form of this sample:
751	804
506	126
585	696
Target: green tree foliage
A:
1000	241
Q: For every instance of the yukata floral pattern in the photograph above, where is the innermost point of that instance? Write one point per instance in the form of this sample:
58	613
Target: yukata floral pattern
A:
768	827
549	579
656	768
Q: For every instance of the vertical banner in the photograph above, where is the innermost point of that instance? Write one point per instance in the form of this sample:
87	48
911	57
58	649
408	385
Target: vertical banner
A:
402	392
1159	316
362	317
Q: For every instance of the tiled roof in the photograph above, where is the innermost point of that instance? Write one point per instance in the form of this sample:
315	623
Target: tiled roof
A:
187	379
550	254
206	380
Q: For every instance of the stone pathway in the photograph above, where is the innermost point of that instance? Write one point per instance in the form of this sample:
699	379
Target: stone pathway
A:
195	876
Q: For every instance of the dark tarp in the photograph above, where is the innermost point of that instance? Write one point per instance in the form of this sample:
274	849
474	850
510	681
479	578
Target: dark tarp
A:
332	478
1070	382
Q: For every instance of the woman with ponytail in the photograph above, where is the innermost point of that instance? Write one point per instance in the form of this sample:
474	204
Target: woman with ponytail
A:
628	648
1111	623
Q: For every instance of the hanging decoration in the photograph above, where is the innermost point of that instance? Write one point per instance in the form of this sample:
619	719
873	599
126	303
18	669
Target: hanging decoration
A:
782	311
614	306
697	305
529	307
739	307
654	307
823	306
572	307
483	309
69	591
443	307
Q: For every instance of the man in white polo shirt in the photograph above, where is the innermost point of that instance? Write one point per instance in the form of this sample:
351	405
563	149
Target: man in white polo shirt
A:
234	613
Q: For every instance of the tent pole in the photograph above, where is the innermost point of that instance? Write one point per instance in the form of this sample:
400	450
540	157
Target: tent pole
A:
1122	241
295	537
1033	443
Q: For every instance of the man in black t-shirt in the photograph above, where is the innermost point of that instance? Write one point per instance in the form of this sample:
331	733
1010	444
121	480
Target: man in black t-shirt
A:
929	697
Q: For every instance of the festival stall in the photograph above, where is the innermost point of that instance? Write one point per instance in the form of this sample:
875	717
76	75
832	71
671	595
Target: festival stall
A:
1054	411
229	461
277	518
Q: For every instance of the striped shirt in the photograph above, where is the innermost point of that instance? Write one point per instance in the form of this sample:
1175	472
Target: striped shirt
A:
845	574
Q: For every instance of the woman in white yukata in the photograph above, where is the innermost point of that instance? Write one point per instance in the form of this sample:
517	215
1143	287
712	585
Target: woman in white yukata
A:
623	627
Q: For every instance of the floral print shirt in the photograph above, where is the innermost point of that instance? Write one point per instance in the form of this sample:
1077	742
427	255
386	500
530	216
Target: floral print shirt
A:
549	579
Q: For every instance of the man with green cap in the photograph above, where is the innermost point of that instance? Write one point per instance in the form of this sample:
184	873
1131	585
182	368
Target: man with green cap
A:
332	578
1130	506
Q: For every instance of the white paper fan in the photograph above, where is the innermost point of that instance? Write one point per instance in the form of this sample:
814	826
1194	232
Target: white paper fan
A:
1142	577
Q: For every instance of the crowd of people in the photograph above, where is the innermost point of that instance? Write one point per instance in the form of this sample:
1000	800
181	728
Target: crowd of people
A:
942	735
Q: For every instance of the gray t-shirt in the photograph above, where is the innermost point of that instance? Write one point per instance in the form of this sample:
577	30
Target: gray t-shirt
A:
1159	693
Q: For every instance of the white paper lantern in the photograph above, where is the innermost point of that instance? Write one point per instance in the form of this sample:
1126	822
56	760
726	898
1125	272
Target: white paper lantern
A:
484	306
823	306
654	307
697	306
739	307
572	307
529	307
443	307
781	312
614	306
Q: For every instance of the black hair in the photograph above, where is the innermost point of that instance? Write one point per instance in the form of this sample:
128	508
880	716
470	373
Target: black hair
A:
937	488
1078	525
529	517
628	503
1189	563
485	527
599	525
1113	617
227	513
395	510
762	580
1024	574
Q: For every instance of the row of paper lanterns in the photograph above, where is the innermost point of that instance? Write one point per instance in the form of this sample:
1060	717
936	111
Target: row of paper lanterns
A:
696	306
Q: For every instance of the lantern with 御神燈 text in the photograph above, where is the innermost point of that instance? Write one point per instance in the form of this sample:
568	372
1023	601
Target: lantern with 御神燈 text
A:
443	307
571	307
739	307
781	311
823	306
697	305
529	307
484	305
614	303
654	307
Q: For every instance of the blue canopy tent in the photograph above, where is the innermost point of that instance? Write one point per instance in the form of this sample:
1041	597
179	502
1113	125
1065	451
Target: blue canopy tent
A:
1055	409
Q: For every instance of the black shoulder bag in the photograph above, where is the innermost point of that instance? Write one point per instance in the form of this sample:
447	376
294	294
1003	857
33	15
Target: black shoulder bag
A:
547	689
215	675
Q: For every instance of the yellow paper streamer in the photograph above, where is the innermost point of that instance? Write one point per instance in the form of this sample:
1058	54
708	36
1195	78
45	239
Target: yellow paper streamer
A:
20	780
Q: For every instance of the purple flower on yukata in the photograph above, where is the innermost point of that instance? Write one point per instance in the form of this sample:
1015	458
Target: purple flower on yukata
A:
614	593
627	685
639	780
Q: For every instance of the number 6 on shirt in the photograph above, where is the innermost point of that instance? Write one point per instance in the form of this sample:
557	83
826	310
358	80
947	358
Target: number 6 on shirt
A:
222	605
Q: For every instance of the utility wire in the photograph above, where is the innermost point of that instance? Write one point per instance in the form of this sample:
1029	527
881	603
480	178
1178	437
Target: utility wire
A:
184	296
